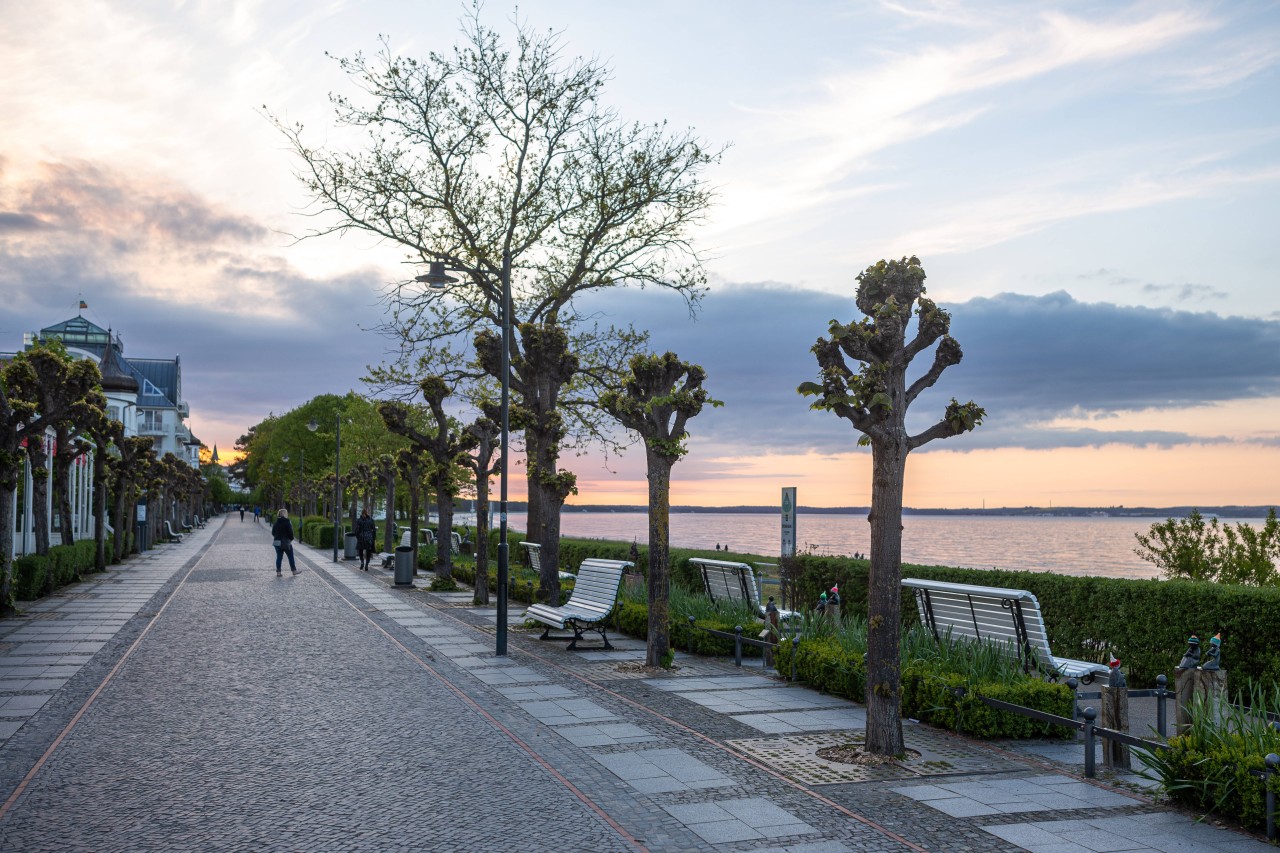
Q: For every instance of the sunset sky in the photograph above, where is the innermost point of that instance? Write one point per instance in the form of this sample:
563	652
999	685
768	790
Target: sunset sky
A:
1092	188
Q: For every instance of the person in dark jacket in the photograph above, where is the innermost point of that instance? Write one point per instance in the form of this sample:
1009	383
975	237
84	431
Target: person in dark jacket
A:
366	532
282	533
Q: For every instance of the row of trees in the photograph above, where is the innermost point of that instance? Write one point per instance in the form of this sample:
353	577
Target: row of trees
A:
45	390
500	164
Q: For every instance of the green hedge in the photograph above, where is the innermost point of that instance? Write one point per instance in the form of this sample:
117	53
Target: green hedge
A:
1144	622
928	692
36	575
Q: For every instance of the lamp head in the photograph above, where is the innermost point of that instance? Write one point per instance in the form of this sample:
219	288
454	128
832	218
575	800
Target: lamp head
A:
312	425
435	277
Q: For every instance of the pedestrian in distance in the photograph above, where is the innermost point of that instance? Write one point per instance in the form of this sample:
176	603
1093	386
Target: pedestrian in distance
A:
242	515
257	511
282	538
366	532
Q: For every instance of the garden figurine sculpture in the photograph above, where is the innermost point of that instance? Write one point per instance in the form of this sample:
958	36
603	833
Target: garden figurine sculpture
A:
1191	657
1212	657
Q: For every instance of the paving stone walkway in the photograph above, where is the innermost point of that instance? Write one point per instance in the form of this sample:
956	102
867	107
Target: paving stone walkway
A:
191	700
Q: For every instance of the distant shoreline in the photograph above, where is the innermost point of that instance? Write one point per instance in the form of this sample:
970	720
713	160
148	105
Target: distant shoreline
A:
1051	512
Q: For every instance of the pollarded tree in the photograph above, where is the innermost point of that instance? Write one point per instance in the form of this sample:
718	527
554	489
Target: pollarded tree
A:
484	430
875	398
445	444
501	163
656	401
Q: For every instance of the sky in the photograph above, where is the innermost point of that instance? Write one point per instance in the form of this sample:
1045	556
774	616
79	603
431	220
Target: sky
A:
1091	187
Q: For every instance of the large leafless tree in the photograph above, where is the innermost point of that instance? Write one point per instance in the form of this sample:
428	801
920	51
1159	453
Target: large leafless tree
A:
502	163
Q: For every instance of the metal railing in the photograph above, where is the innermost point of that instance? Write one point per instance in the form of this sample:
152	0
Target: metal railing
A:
1090	729
738	641
1160	693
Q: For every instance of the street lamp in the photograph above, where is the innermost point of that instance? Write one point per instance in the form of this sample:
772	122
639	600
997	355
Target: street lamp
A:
436	279
337	468
301	509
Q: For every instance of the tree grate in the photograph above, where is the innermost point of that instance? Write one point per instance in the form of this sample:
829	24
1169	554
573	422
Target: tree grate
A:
796	756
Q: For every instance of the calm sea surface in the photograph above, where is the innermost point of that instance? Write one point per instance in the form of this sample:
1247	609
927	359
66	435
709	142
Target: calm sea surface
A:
1071	546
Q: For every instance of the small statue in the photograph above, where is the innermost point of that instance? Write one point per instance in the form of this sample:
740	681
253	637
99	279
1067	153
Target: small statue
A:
1116	678
1212	657
834	598
1191	657
822	604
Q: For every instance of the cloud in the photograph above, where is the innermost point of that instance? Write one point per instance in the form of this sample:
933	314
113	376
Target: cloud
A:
1029	361
176	275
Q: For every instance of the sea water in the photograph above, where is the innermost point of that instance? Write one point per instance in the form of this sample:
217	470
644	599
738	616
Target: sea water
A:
1102	546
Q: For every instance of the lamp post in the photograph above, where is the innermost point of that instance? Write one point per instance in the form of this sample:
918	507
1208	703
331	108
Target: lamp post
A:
337	476
436	279
301	509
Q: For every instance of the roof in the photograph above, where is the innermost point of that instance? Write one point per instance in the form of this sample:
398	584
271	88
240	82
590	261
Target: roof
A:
79	332
160	381
115	375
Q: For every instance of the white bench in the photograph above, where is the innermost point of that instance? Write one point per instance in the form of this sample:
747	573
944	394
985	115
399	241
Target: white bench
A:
1007	616
535	560
168	529
728	581
593	598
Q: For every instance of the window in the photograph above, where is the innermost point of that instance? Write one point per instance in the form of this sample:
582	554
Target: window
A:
150	421
113	412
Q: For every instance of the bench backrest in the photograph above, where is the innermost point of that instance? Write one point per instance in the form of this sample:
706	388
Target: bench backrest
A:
728	581
535	555
985	613
596	588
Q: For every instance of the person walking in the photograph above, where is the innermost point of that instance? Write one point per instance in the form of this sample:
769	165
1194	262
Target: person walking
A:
257	510
282	536
242	513
366	532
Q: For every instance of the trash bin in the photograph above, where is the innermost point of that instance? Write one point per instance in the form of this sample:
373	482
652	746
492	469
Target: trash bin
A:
404	565
349	549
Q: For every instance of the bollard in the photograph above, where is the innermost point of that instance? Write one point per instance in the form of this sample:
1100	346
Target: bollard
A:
737	645
1162	713
1089	769
1073	684
530	592
795	653
1273	763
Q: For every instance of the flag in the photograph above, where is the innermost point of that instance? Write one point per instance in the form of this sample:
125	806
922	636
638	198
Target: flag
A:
83	304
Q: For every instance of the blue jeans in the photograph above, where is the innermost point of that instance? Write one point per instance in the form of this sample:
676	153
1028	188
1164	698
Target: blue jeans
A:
285	548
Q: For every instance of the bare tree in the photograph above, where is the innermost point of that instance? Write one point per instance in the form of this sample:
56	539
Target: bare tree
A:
875	399
656	401
502	164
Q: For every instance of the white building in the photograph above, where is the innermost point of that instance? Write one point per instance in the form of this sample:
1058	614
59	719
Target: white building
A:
144	395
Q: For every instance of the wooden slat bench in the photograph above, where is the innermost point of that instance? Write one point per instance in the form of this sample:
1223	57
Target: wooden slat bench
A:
588	608
169	531
728	581
1008	616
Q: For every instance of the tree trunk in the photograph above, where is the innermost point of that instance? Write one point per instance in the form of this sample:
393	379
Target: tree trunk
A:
62	494
388	536
414	496
8	487
39	459
100	510
659	645
548	489
444	539
884	597
482	531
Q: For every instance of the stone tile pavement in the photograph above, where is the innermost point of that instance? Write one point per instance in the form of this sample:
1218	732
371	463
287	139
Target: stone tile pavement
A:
190	700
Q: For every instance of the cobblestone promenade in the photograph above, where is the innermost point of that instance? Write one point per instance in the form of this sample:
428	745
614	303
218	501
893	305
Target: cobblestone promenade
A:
192	700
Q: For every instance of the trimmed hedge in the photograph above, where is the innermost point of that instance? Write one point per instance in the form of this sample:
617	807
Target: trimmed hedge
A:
1144	622
927	692
36	575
